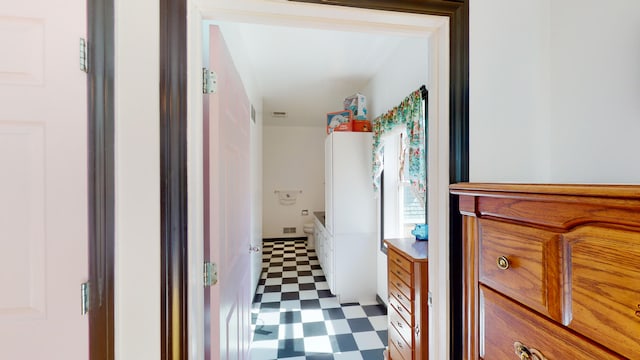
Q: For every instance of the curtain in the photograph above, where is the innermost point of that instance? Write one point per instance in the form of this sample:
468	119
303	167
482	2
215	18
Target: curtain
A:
411	117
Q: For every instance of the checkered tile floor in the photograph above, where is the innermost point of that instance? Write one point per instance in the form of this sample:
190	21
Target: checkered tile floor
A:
295	317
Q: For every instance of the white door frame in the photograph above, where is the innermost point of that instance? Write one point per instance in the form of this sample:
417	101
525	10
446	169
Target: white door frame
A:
325	17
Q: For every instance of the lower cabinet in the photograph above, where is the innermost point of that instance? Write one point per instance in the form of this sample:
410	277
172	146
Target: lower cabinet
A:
348	262
408	289
324	251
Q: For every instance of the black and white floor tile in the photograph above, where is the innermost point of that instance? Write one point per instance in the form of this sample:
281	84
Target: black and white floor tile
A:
296	317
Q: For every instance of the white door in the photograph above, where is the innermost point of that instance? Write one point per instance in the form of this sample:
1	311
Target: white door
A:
43	180
227	207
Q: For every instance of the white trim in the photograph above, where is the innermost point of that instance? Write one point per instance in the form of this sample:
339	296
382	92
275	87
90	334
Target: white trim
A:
343	18
438	193
195	205
137	250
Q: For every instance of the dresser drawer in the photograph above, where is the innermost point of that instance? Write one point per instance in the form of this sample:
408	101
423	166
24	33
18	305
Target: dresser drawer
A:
604	270
401	302
399	260
399	349
505	323
401	273
405	289
403	327
523	263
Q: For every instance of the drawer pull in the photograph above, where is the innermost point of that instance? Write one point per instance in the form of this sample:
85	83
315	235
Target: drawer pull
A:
399	272
503	263
399	344
398	284
399	324
527	354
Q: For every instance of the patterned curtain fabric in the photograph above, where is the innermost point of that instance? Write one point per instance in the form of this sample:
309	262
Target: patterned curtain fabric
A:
410	115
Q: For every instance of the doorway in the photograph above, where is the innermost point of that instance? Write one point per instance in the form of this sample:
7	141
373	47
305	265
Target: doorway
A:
438	30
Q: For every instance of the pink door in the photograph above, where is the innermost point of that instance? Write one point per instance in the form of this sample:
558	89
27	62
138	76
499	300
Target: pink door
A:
43	180
227	207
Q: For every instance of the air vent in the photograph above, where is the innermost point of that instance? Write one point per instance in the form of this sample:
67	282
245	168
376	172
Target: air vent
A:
279	114
289	230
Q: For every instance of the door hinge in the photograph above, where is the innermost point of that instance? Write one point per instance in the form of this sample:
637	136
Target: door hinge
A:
209	81
210	274
84	298
430	300
84	56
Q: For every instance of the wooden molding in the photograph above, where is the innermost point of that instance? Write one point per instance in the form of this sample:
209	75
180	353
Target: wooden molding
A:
173	94
173	178
100	24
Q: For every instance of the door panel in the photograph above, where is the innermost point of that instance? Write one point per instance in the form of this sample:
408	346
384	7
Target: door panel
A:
227	207
43	181
22	219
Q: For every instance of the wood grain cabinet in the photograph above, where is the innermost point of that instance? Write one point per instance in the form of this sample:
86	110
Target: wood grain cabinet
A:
551	271
408	299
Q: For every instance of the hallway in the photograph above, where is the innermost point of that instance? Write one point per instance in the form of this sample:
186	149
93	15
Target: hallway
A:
296	317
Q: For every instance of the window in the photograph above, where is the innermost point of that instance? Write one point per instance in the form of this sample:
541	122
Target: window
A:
401	210
400	166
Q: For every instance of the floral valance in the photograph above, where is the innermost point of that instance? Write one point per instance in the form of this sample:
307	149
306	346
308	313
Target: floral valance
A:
410	116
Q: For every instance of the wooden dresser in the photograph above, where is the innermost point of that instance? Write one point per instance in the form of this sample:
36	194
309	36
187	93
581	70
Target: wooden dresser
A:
552	271
408	299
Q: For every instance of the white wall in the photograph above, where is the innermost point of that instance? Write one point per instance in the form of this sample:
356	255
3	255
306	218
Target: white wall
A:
595	91
509	90
137	174
553	90
293	159
398	77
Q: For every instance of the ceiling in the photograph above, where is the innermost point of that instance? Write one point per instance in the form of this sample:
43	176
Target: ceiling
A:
308	72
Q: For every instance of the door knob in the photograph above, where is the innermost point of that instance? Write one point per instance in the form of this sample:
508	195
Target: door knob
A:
254	249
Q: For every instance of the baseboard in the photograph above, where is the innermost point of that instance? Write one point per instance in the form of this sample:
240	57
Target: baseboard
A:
284	239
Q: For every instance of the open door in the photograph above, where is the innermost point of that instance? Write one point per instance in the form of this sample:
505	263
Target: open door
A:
43	180
227	208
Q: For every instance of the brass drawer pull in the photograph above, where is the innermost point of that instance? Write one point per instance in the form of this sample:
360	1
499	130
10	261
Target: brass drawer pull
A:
526	353
503	263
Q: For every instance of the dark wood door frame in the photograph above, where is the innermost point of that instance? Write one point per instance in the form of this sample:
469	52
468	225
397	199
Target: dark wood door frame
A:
173	114
173	179
100	138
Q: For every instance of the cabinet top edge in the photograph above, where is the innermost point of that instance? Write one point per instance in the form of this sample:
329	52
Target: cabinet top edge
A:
628	191
418	251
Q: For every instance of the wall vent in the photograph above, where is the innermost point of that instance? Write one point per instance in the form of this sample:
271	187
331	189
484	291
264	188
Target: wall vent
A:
279	114
288	230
